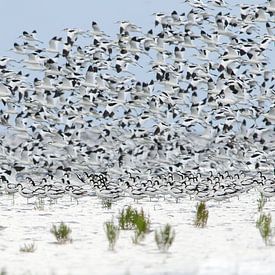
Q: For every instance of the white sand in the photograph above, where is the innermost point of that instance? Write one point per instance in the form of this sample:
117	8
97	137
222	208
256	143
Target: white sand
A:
230	244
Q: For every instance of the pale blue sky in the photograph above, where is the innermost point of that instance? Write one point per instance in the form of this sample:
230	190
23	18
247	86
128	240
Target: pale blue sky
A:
51	16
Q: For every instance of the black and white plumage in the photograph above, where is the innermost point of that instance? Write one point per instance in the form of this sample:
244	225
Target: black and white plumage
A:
204	103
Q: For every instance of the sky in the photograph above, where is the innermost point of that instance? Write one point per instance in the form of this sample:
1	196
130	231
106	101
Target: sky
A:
50	17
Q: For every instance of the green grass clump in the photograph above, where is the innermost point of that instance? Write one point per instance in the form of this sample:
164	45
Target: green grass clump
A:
261	202
264	225
142	226
61	233
28	248
126	218
201	215
164	237
112	233
132	219
106	204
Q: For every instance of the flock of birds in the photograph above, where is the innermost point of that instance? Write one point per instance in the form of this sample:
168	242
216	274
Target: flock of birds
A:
75	119
175	185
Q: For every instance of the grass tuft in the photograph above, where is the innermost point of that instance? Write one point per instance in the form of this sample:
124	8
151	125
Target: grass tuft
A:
61	233
106	204
28	248
112	233
39	205
264	225
132	219
201	215
142	226
261	202
164	237
126	218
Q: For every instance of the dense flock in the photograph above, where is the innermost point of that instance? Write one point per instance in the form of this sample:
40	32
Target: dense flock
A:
186	108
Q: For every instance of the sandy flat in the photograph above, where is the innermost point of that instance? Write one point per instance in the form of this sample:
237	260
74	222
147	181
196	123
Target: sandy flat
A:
230	244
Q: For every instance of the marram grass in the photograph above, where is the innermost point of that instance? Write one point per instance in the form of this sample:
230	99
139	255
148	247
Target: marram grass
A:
28	248
106	204
142	226
164	237
132	219
62	233
261	202
112	233
201	215
126	218
264	225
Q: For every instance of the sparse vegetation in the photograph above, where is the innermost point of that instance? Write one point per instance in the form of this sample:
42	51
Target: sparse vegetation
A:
130	219
39	205
62	233
112	233
164	237
264	225
142	226
261	202
126	218
28	248
201	215
106	204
